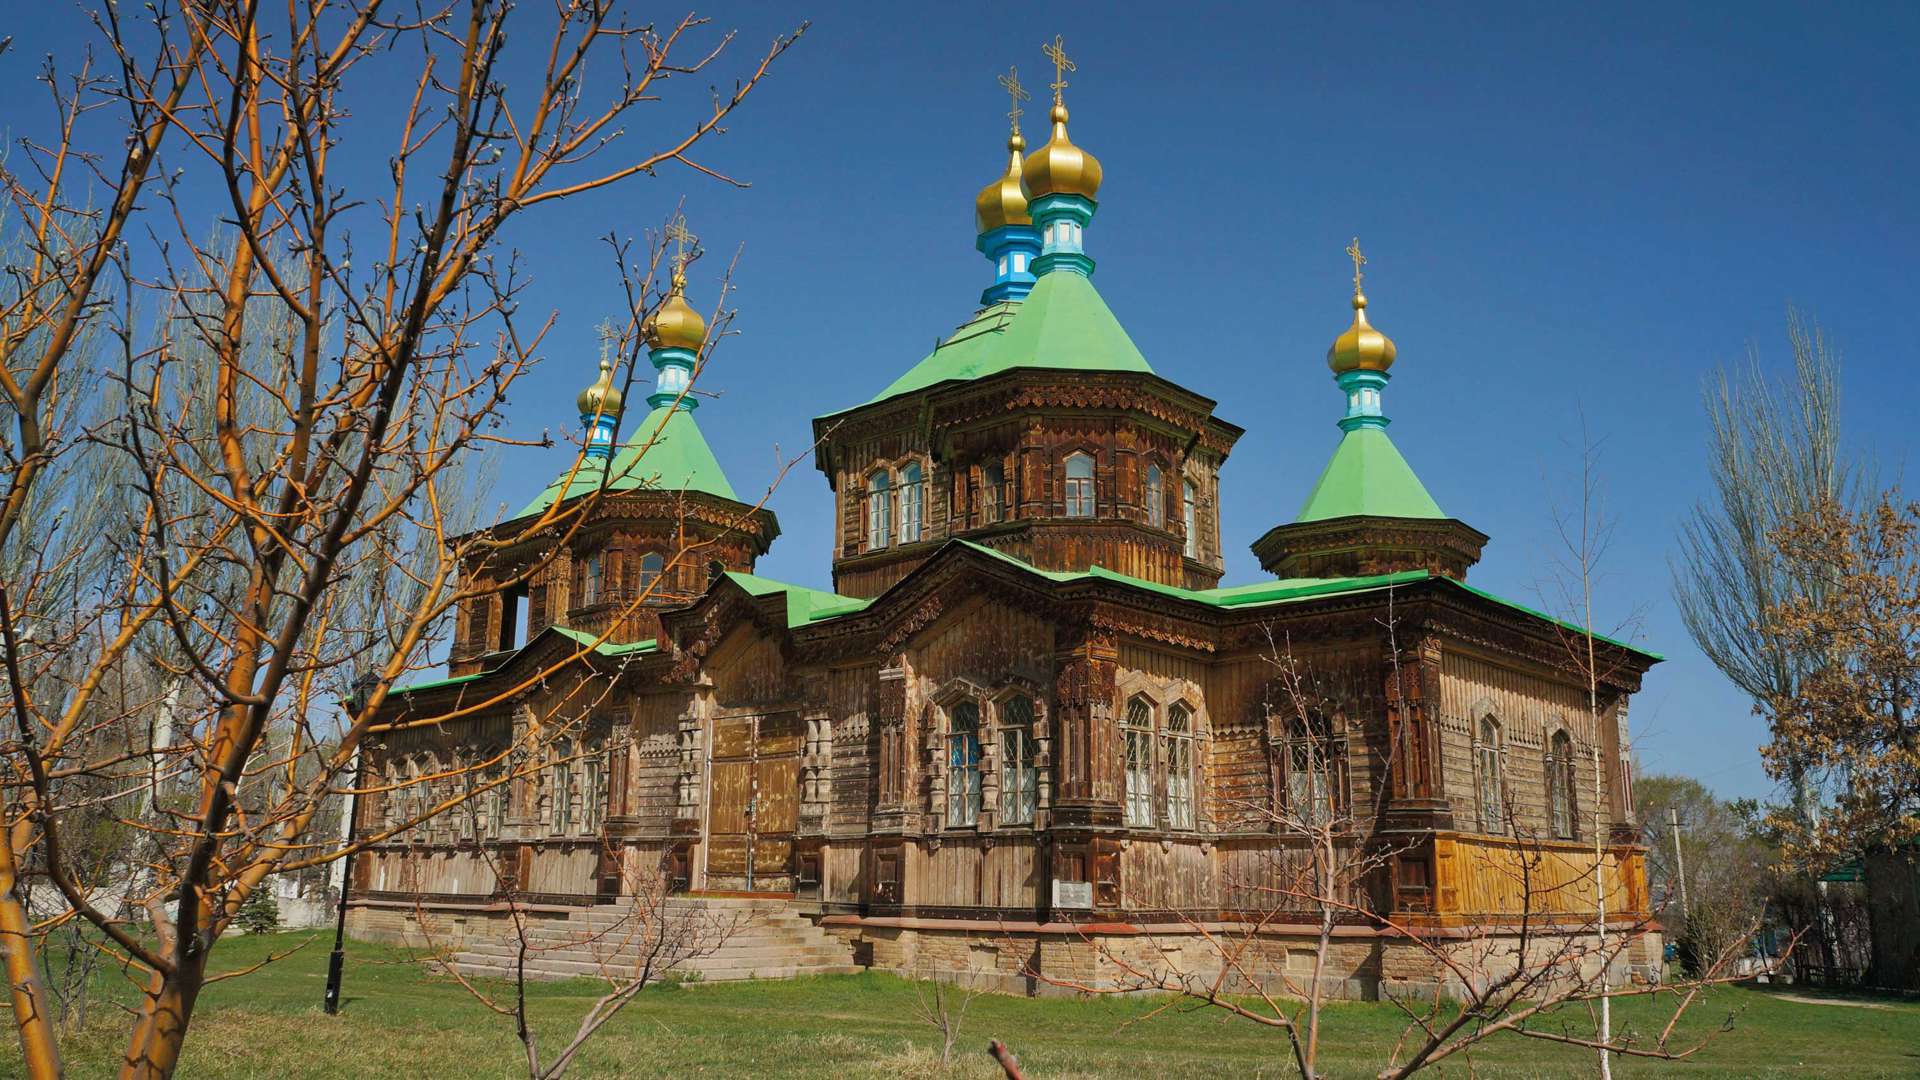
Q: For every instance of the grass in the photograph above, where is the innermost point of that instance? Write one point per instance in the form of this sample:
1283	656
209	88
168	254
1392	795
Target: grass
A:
399	1020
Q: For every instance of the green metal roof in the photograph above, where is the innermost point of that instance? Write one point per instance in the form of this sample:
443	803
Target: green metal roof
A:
604	649
1286	590
804	605
678	459
607	648
1368	476
1063	325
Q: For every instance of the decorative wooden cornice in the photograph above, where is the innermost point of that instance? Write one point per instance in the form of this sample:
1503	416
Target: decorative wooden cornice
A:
1363	545
948	407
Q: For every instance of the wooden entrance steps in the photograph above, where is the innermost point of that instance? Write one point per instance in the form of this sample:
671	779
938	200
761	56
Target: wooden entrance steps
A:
711	939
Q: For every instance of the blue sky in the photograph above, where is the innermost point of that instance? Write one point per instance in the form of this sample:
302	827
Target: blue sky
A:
1567	210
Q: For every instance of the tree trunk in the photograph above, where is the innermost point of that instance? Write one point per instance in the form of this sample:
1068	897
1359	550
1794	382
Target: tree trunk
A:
38	1048
154	1050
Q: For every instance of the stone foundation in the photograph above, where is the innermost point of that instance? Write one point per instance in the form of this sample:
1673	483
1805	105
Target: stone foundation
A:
1059	959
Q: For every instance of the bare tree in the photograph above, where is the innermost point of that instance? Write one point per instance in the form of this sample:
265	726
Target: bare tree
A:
295	422
943	1008
1775	453
642	943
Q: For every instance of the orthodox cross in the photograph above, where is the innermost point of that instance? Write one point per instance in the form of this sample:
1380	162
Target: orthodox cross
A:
683	239
1010	82
1359	260
608	335
1056	52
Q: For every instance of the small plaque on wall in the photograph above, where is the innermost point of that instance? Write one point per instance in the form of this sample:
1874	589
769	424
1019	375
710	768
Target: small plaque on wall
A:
1072	894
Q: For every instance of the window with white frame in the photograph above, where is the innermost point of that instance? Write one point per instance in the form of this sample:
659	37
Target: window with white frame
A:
1177	753
560	799
593	581
993	479
912	502
963	764
879	510
1138	749
1315	759
1019	782
1560	784
650	566
592	775
1156	497
1079	489
1491	784
1189	519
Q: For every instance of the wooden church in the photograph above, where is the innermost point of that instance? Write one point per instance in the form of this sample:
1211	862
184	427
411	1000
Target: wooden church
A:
1028	723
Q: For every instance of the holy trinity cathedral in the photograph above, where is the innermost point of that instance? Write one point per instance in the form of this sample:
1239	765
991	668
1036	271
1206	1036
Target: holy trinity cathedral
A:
1028	720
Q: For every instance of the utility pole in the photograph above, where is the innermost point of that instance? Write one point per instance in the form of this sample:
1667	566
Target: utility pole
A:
357	700
1679	861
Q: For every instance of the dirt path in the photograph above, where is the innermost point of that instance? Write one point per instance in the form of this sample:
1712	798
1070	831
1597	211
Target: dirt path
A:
1832	1001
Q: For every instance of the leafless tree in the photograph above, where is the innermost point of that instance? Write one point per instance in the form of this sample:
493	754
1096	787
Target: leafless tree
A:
649	938
1775	455
294	423
944	1009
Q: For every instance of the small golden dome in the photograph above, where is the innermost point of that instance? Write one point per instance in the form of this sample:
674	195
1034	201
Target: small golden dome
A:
602	398
1361	348
1004	202
676	325
1059	167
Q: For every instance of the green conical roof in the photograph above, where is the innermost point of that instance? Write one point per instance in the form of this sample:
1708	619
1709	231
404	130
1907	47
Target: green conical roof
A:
666	452
1368	476
1063	324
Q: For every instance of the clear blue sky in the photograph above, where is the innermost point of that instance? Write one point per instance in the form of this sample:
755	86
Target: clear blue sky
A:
1566	207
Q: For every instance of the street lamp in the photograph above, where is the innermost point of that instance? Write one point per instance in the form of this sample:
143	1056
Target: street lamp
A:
363	688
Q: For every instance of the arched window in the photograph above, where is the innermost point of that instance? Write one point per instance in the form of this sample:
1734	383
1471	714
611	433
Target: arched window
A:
912	501
993	482
1079	485
963	765
1189	520
650	566
1315	758
879	511
1486	764
1560	785
1178	755
1138	749
1156	498
1019	782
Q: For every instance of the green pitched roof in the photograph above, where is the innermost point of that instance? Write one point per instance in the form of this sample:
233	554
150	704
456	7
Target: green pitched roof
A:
804	605
1063	325
605	648
1368	476
678	459
1286	590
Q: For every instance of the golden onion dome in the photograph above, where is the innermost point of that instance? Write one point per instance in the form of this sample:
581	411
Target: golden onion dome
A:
1004	202
1361	348
676	325
1059	167
602	398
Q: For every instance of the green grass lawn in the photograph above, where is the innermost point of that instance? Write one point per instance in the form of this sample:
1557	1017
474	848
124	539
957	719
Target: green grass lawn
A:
401	1021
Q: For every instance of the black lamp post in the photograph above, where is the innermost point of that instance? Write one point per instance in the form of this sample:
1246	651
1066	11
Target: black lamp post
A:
357	700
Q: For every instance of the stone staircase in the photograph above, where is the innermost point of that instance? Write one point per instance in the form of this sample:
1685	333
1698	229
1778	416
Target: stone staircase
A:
711	939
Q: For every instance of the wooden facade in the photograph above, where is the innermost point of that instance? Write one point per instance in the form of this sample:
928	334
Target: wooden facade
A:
1025	707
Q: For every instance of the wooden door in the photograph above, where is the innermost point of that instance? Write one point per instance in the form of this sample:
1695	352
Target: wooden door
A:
755	802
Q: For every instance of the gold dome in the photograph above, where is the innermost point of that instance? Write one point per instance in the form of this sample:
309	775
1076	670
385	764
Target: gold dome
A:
1059	167
676	325
1004	202
1361	348
602	398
